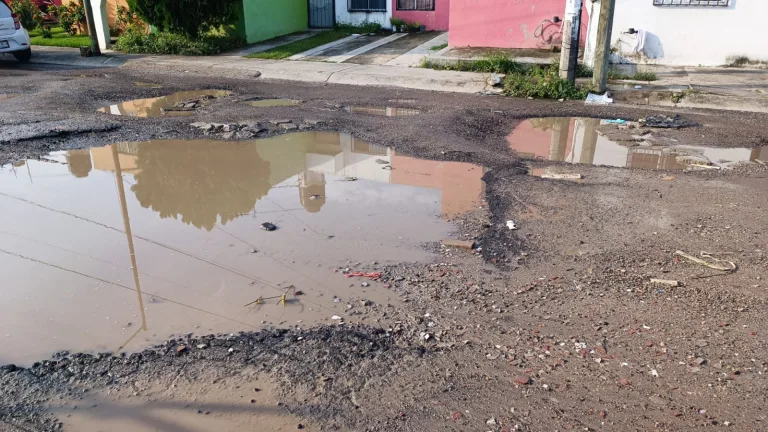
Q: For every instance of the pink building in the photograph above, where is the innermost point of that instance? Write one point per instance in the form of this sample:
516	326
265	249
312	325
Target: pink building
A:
508	23
431	13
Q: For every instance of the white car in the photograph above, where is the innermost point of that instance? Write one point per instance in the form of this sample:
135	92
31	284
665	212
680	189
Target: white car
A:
13	38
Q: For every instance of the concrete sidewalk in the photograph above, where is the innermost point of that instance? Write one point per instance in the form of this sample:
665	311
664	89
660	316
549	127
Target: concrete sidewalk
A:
716	88
296	70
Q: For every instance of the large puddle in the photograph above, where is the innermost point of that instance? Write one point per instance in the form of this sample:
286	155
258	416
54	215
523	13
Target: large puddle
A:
175	105
576	140
382	111
118	247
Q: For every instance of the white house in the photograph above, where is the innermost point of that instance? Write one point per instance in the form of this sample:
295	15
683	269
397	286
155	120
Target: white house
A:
684	32
360	11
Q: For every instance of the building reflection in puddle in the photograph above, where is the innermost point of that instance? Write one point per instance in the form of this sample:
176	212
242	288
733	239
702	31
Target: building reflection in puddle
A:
156	107
577	141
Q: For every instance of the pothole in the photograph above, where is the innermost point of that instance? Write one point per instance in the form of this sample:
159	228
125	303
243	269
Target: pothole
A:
179	104
196	212
577	140
382	111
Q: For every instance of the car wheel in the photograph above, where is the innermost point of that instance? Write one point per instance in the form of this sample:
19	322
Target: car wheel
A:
23	56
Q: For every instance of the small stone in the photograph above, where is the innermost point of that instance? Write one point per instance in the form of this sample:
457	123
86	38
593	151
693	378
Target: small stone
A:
288	126
700	361
522	380
228	135
491	422
649	344
365	284
280	121
181	348
603	414
256	74
456	416
701	343
202	346
624	382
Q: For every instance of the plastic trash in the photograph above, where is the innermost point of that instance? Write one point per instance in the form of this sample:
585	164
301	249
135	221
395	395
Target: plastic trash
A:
599	99
268	226
511	225
617	121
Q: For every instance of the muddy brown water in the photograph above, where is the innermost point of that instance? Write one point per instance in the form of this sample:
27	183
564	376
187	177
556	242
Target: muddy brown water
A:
155	107
382	111
190	214
273	102
577	140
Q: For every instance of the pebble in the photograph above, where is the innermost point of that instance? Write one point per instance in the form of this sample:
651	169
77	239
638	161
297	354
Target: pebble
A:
522	380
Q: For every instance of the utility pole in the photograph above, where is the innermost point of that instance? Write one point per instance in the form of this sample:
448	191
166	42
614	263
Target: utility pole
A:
569	54
603	45
92	28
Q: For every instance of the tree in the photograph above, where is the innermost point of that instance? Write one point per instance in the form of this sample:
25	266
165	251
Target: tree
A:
188	17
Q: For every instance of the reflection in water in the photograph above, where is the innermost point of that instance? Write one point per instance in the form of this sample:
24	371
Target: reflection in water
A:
155	107
273	102
199	182
79	162
382	111
576	140
75	260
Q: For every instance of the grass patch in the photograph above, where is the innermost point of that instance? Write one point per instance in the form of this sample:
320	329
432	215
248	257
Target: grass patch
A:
439	47
60	39
362	28
285	51
494	64
614	75
135	41
522	80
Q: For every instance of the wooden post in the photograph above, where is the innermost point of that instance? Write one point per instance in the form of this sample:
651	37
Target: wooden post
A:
91	28
603	45
569	54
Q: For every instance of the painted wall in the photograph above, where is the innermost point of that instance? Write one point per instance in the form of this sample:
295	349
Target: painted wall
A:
508	23
691	36
344	16
265	19
111	7
437	19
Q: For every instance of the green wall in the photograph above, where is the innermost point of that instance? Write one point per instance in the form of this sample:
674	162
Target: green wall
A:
265	19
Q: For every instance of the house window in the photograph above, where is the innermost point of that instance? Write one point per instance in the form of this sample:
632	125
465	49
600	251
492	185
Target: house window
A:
690	2
367	5
422	5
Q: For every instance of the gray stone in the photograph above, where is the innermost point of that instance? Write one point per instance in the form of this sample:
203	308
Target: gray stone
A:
288	126
279	121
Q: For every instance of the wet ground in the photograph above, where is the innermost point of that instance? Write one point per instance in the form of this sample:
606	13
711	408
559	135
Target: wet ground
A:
584	317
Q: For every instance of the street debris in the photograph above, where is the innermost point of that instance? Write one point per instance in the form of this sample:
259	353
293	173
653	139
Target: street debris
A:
557	176
662	121
268	226
729	266
371	276
599	99
672	283
244	130
463	244
511	225
617	121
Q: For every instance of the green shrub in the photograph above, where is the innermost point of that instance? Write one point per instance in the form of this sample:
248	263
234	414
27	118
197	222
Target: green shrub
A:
135	41
71	17
45	32
28	12
190	18
397	22
362	28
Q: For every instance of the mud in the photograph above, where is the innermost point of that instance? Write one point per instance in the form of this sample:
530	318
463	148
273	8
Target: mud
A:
556	325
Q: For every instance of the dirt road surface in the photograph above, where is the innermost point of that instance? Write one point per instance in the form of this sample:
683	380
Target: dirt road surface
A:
583	317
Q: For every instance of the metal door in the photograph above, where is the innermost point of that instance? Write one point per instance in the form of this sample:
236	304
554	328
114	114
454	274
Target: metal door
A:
322	13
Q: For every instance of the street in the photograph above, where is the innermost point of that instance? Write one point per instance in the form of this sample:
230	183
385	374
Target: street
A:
259	254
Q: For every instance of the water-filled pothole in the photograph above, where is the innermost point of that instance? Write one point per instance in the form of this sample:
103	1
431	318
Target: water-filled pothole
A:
174	105
272	102
382	111
577	140
194	211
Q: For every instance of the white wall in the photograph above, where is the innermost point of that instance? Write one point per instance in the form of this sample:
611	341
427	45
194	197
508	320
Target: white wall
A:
346	17
691	36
